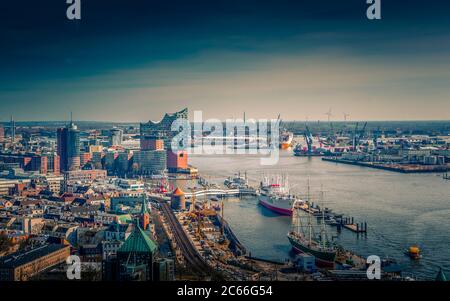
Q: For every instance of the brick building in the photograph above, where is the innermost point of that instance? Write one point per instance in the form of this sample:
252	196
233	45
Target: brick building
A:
23	265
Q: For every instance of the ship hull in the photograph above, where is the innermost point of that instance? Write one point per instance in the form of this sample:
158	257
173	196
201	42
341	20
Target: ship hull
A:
277	209
325	259
286	141
285	145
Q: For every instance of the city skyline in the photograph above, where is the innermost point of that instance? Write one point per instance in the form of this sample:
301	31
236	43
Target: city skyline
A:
294	59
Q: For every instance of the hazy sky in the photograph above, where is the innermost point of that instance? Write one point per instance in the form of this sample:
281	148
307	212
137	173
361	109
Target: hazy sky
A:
135	60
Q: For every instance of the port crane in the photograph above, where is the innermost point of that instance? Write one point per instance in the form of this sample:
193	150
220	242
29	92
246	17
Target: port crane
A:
308	139
358	135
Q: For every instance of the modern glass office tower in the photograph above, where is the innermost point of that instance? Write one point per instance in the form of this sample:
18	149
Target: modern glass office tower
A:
68	141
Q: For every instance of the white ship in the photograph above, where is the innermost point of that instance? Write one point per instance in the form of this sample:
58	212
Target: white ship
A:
275	195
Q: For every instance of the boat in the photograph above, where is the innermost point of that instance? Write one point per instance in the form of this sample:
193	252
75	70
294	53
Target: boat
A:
303	238
275	195
299	150
237	181
286	139
216	207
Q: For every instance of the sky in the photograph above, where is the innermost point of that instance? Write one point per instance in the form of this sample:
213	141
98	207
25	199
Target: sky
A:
133	61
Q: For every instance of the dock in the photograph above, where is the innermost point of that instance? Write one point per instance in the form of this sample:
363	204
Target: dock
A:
349	224
357	228
341	221
402	168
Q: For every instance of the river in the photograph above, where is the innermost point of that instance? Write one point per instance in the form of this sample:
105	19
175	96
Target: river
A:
401	210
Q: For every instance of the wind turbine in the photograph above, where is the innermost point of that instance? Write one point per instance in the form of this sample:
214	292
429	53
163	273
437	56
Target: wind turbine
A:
329	114
345	116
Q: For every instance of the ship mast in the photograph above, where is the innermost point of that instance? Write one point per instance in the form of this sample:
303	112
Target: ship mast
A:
322	224
309	217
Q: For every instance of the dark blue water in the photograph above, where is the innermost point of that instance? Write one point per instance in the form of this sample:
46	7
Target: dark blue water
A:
401	209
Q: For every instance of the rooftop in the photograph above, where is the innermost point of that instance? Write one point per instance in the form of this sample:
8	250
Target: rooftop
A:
20	258
138	242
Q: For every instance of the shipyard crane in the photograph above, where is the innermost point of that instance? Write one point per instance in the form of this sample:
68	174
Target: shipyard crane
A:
361	133
354	136
375	138
358	135
308	139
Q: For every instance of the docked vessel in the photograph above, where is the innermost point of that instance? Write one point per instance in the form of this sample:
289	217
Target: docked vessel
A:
238	181
286	139
275	195
303	237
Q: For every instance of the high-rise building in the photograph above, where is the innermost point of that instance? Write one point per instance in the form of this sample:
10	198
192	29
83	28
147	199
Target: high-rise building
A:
153	132
85	157
38	163
110	161
152	162
116	136
152	143
163	128
69	147
53	163
97	160
122	163
13	131
177	161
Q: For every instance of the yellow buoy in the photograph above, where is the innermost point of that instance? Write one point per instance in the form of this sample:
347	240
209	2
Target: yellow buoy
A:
414	250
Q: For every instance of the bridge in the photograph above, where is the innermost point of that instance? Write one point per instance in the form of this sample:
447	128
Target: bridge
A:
207	192
221	192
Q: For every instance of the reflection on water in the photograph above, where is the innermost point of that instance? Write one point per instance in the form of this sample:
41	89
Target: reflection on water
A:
401	209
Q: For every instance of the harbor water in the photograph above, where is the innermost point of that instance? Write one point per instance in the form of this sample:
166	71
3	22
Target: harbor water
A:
401	210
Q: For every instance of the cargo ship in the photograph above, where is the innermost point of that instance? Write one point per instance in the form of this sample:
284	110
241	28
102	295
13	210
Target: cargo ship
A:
303	237
286	139
275	195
